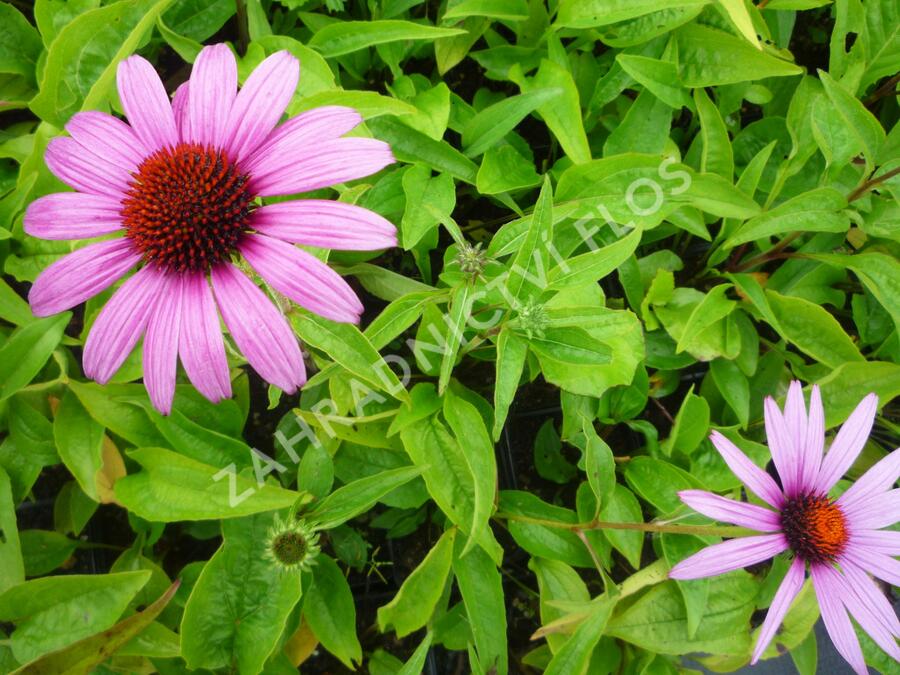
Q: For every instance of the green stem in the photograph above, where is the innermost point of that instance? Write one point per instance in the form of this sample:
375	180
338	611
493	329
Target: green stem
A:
668	528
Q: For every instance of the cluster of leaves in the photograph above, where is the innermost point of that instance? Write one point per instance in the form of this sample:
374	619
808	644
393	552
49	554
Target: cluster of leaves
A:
627	223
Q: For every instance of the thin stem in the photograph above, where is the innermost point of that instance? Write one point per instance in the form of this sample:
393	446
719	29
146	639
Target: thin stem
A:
768	255
872	182
702	530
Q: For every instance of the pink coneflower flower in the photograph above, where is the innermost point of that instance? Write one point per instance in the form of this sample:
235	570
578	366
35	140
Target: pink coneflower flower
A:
840	540
178	185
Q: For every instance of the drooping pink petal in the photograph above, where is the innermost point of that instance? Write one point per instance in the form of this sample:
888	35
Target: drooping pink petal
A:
302	277
876	480
878	510
867	592
259	329
795	421
787	591
757	481
161	344
72	215
836	620
180	110
303	133
146	103
326	224
85	172
882	541
109	138
862	611
847	444
781	444
201	346
330	163
729	555
213	88
80	275
730	511
877	564
120	324
260	103
814	444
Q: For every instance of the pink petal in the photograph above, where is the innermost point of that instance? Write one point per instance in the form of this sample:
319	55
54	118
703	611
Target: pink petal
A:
72	215
161	344
881	541
84	171
303	133
730	511
259	329
146	103
303	278
868	593
814	443
877	564
757	481
180	110
880	509
201	346
326	224
260	103
836	620
213	88
120	324
330	163
81	275
787	591
781	444
108	138
843	595
729	555
847	444
876	480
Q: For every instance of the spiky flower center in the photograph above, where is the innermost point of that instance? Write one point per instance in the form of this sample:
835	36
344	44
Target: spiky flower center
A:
188	208
815	527
289	548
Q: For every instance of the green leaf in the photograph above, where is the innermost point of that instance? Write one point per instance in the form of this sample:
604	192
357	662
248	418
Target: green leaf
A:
677	547
359	496
593	13
12	307
460	310
172	487
368	104
713	308
813	330
819	210
20	44
594	265
717	156
52	15
531	254
469	428
571	345
328	607
708	56
503	169
843	389
658	620
24	354
658	482
416	663
345	37
690	427
427	199
490	125
199	19
511	352
481	588
414	604
12	569
621	506
659	77
86	654
599	463
574	656
734	386
240	603
505	10
109	405
79	441
82	61
84	604
198	443
350	348
857	119
409	145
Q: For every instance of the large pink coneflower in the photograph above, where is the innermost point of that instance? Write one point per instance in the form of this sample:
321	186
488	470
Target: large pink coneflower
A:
179	186
839	540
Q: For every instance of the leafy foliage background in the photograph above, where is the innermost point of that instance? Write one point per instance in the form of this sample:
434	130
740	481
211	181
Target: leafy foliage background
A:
575	378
